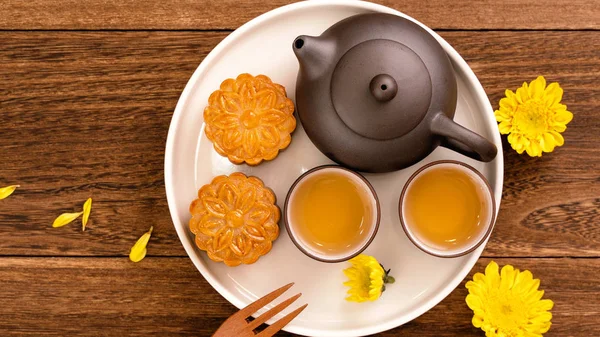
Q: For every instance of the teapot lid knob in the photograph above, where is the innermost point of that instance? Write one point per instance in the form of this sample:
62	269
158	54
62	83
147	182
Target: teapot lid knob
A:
383	87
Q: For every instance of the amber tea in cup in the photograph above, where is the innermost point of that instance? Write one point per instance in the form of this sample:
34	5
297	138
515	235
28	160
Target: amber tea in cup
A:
331	213
447	209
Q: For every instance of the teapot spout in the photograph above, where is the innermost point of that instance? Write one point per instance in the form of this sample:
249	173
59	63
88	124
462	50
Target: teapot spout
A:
314	55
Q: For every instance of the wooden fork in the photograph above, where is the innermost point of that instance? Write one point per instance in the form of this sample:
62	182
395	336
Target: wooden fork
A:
238	326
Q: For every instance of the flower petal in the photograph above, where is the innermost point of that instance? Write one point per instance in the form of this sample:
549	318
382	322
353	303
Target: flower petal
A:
544	305
507	277
520	148
474	302
536	87
508	105
553	94
503	114
138	251
558	138
477	321
479	278
510	95
547	142
563	116
518	142
492	275
87	208
532	290
505	127
559	127
524	278
522	94
476	289
5	192
544	317
534	149
65	219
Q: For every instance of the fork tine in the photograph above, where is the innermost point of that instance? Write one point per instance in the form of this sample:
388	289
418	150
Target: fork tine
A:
261	302
272	312
275	327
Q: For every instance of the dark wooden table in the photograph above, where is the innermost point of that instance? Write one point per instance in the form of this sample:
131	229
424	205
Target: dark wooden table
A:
87	89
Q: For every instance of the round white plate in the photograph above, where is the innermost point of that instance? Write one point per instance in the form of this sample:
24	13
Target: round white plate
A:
264	46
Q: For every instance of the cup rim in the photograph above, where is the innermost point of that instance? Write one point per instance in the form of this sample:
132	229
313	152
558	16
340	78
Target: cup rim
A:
490	224
373	196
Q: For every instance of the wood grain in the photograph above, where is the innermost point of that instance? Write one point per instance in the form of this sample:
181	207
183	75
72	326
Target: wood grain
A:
85	114
85	105
230	14
168	297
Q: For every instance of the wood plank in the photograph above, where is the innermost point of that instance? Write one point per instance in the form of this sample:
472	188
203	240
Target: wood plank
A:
167	296
86	114
230	14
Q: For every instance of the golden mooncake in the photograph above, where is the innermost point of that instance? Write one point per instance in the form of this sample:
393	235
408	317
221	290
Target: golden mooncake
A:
249	119
235	219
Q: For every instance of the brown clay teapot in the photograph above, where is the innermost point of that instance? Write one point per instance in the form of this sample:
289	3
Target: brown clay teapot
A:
377	93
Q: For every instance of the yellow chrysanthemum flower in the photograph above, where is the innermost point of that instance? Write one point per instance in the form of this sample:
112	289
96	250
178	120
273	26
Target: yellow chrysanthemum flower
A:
508	304
366	278
533	117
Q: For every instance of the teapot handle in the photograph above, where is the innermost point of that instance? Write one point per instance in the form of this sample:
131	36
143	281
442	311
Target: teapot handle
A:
462	140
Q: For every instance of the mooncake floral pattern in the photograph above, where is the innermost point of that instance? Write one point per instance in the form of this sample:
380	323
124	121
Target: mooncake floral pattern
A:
249	119
235	219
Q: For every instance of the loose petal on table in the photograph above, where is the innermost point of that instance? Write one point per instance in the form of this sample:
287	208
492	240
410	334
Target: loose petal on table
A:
65	219
87	208
138	251
7	191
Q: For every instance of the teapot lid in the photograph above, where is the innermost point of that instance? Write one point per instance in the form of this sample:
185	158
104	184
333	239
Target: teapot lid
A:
381	89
